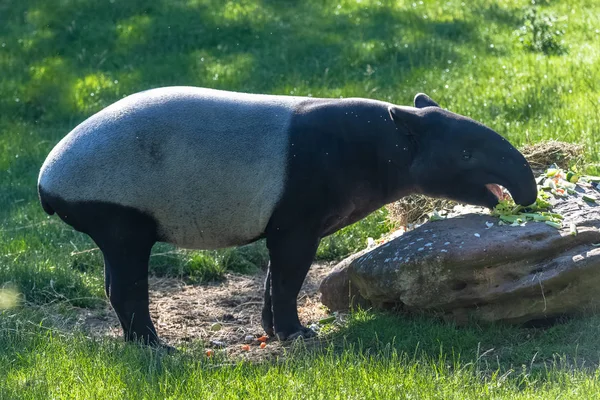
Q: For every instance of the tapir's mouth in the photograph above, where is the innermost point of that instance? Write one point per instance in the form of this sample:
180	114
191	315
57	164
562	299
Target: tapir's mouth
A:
497	191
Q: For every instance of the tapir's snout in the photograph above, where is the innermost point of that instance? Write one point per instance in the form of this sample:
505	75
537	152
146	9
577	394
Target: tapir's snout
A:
525	193
517	177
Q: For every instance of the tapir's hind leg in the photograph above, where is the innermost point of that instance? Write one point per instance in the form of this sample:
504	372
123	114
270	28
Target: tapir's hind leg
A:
125	236
291	255
126	265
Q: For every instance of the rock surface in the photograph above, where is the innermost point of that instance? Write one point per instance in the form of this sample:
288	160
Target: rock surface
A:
337	292
462	269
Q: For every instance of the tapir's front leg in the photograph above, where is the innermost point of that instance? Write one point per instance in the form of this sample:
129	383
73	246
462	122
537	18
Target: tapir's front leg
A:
292	253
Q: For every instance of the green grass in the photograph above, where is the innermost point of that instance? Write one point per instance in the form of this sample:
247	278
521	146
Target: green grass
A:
60	62
383	357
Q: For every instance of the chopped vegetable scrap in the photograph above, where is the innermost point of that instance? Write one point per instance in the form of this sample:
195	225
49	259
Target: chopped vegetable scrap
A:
245	347
588	198
263	345
435	216
554	181
554	224
573	229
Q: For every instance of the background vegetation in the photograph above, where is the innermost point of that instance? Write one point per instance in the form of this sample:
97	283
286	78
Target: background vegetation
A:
530	70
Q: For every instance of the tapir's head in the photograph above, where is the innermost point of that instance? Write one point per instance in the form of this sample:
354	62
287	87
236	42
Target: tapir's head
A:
460	159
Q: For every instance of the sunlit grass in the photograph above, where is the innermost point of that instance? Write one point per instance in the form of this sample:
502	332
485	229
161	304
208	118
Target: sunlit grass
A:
384	357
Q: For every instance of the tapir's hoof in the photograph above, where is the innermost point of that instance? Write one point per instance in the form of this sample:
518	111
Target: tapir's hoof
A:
268	328
267	321
303	333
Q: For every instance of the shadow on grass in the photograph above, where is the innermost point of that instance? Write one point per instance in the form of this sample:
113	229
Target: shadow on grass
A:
566	342
70	60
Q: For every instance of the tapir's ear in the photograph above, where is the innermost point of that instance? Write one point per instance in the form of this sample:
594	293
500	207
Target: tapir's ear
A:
422	100
408	120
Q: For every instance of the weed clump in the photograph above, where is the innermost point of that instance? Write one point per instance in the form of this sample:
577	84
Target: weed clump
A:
201	267
541	32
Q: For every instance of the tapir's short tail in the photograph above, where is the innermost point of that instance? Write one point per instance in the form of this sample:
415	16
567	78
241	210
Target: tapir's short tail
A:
49	210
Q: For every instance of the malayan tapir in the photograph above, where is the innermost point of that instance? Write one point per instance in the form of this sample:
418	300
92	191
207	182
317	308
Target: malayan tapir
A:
205	169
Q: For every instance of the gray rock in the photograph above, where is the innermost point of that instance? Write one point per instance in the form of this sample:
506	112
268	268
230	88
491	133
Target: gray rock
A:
337	292
461	269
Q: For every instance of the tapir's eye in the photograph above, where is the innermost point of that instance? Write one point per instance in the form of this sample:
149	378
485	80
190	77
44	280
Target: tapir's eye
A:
466	155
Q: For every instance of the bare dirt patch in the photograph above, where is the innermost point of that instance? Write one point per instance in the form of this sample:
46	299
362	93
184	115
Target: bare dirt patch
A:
184	313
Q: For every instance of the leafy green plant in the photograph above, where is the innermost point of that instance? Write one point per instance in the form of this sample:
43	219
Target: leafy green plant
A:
246	259
207	265
202	267
541	33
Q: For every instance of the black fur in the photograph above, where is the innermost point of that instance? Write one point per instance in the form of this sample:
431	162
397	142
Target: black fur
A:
45	206
344	163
